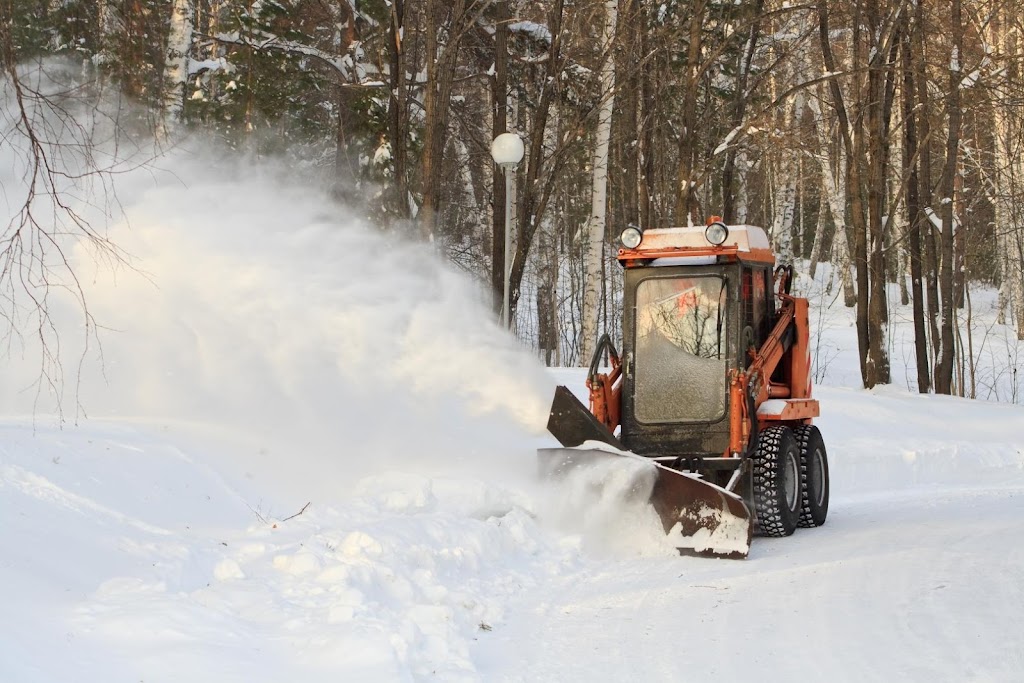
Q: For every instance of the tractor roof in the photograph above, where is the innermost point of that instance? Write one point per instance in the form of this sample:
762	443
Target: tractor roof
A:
690	246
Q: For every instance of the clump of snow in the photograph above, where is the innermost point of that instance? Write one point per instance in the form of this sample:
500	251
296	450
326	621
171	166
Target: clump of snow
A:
536	31
603	499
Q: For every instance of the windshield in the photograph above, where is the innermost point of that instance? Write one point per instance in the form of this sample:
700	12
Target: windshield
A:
680	349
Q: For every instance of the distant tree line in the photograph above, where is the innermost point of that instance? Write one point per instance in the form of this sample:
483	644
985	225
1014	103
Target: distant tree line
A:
883	136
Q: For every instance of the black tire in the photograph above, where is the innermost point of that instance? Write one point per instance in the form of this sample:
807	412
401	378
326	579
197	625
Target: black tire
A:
776	475
814	487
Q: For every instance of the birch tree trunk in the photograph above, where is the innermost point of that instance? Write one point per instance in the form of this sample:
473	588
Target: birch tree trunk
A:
816	242
740	196
835	195
1007	178
594	285
785	208
179	43
789	166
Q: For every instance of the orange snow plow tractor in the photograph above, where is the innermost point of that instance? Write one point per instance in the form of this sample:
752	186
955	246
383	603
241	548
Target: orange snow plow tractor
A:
713	389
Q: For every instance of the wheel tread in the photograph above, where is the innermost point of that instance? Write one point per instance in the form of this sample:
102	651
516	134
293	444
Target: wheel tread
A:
804	434
770	517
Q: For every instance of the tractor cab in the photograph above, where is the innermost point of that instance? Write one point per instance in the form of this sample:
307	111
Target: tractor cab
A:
689	320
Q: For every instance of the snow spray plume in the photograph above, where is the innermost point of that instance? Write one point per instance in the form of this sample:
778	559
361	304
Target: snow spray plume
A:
257	306
605	503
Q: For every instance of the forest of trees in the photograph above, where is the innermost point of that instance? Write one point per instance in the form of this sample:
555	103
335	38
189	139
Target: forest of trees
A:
883	136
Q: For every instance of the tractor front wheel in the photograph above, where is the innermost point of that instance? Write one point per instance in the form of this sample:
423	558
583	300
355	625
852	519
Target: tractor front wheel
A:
776	474
813	476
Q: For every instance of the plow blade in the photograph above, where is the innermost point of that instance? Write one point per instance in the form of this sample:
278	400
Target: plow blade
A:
700	517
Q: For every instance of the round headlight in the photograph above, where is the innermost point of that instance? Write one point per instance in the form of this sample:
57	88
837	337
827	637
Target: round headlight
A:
631	237
717	233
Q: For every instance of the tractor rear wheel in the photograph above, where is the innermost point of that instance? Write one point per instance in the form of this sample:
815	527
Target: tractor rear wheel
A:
813	476
776	475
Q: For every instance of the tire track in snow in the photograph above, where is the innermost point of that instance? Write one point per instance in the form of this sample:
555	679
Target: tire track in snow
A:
39	487
907	589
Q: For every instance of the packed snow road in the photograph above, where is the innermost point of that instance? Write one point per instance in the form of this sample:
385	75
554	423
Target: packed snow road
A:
918	574
917	588
133	553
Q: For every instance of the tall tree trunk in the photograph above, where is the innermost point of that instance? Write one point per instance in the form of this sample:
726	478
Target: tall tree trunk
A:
816	243
855	154
914	213
789	167
647	180
624	172
733	173
879	107
687	144
866	166
398	111
433	112
594	255
547	294
926	195
440	67
534	195
944	368
499	125
785	207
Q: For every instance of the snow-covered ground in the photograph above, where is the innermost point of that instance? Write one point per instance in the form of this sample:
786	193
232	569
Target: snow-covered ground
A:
267	354
128	556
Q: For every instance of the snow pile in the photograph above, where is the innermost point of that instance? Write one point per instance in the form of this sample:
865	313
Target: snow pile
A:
930	442
601	498
130	559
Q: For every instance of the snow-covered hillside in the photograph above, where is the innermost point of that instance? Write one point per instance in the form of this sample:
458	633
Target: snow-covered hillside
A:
267	354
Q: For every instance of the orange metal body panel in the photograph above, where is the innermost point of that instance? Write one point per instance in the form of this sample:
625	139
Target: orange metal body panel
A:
736	417
606	395
799	407
771	353
800	354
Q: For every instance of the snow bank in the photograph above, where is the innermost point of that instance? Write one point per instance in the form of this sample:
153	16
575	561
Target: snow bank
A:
128	558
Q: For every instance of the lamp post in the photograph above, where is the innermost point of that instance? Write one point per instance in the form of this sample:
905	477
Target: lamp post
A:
507	151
